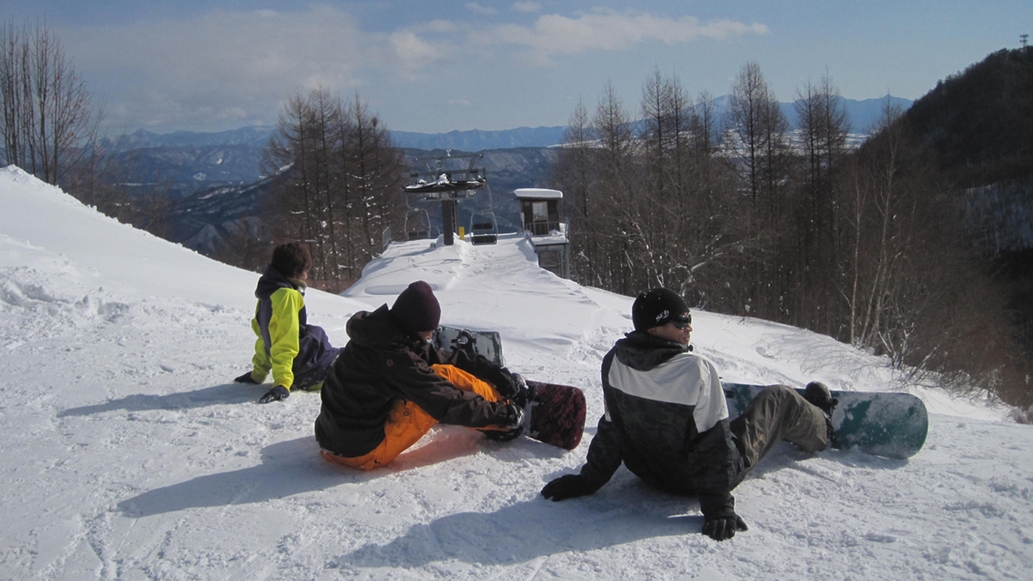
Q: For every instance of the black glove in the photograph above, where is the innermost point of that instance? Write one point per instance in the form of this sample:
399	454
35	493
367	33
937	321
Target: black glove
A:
564	487
503	381
719	519
246	378
513	422
519	380
275	394
722	528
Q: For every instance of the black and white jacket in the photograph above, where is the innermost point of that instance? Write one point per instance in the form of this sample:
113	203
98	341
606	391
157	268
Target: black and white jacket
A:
666	419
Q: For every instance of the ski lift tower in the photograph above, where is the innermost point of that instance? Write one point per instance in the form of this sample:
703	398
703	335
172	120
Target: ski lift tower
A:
446	180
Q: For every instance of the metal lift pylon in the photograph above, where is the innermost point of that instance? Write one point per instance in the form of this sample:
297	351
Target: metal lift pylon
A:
444	182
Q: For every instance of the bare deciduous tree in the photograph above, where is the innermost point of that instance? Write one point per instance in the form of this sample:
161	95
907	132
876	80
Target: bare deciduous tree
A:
762	155
823	132
46	117
865	245
618	187
375	174
574	175
338	185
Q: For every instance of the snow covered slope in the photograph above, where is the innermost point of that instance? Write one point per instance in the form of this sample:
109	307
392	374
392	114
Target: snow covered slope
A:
127	453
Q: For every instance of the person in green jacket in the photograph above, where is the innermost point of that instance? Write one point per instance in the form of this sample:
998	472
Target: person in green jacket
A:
297	354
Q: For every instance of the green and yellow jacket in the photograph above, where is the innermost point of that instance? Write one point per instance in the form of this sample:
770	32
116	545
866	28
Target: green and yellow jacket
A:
297	354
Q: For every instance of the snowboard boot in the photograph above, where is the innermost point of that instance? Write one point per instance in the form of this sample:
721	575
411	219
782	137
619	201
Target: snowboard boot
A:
465	341
524	393
818	395
524	398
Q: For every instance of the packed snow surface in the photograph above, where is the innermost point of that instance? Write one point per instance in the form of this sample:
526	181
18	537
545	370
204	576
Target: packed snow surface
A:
128	453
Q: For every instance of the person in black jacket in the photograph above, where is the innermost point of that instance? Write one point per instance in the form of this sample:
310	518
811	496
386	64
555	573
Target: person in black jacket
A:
666	419
389	386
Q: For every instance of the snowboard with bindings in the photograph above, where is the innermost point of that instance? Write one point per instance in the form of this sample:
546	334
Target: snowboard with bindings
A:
556	413
889	424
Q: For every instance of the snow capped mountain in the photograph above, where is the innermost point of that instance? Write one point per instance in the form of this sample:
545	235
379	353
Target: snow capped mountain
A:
127	452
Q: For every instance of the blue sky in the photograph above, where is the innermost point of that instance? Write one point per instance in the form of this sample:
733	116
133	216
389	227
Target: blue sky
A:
436	66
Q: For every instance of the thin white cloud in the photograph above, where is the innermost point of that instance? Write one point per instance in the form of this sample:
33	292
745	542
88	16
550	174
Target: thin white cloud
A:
231	69
236	68
413	54
482	10
554	34
440	26
527	7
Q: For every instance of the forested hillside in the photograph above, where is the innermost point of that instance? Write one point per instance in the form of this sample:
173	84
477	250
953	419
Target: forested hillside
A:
870	245
980	121
979	124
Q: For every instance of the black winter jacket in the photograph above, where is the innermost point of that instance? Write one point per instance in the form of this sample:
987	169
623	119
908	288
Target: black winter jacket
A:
666	419
382	364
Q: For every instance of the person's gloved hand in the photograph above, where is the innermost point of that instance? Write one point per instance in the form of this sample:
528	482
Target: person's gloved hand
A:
246	378
514	416
564	487
512	421
723	527
719	519
519	380
502	379
275	394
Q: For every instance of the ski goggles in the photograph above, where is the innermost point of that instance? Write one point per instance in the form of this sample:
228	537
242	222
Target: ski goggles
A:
682	321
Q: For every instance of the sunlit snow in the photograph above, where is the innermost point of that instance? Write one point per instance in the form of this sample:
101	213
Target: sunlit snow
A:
128	453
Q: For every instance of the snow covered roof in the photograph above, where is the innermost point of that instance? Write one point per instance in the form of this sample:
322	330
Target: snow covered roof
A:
538	193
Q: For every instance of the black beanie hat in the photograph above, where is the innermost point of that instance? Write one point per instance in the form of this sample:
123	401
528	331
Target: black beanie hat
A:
417	309
656	307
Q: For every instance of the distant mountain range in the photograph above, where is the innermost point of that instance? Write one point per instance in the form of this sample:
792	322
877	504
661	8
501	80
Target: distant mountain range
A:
862	115
143	139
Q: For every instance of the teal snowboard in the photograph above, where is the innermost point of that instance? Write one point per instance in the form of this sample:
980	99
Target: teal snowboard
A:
893	425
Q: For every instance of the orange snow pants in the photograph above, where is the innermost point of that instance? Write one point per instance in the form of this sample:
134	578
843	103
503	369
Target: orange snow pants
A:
407	422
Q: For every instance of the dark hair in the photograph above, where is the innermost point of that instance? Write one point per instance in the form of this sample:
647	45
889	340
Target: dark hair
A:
291	259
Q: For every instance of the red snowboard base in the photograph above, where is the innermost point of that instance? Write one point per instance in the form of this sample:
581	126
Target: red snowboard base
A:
557	414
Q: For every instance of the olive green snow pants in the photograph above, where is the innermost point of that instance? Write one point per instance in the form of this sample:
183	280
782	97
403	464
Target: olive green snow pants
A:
778	413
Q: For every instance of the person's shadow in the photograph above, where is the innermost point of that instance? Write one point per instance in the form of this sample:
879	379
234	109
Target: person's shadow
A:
227	393
536	528
625	510
287	468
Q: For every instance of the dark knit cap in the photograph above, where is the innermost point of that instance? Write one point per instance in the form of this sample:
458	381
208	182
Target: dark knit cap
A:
656	307
417	309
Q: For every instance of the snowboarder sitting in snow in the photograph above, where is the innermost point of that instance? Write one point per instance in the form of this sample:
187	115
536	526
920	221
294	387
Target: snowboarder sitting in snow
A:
298	354
666	419
390	386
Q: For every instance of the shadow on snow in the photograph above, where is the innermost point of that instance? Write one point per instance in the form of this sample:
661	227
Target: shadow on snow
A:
229	393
